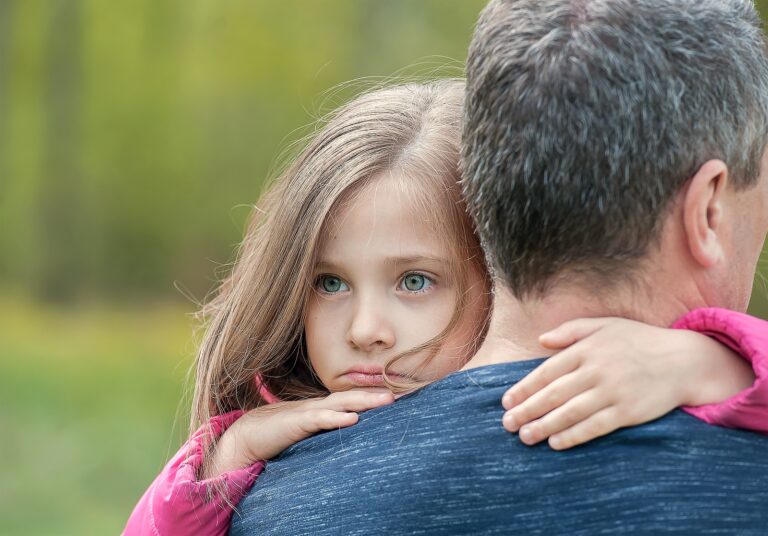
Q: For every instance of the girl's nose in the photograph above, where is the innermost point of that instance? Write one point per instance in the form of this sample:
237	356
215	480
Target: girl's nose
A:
369	329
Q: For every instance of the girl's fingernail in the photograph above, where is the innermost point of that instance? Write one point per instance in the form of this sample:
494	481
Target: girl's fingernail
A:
526	436
509	422
554	442
506	401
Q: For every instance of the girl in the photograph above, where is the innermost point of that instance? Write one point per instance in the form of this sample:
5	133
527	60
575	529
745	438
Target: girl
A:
360	277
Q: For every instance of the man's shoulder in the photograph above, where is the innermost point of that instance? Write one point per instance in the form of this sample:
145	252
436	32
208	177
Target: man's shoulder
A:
466	407
441	459
463	411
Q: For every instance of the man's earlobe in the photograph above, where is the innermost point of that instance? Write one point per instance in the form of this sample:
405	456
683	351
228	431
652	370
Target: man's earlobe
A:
702	212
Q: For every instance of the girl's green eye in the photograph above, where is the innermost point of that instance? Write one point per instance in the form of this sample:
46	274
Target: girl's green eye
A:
415	282
331	284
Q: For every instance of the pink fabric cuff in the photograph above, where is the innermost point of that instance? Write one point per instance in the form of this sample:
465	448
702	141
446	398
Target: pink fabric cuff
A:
747	336
178	503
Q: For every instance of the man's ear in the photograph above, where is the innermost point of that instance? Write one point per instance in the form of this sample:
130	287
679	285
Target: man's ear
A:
702	212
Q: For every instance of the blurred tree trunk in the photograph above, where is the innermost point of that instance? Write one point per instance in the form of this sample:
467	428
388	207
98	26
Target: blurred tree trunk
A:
63	235
6	13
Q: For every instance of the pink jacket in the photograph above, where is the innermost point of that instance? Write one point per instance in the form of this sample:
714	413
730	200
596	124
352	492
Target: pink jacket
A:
747	336
178	503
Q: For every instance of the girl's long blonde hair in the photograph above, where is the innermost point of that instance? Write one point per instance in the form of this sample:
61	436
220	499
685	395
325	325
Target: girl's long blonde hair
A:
254	325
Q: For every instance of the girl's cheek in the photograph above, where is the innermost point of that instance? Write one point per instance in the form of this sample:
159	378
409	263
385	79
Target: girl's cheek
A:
445	304
315	330
433	314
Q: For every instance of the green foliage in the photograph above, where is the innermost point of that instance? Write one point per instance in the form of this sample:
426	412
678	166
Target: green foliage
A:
135	128
136	134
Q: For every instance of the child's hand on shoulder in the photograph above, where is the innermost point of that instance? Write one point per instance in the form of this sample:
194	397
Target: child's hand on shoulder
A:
611	373
265	432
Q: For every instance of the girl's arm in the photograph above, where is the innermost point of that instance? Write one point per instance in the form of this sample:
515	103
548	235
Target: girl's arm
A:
178	502
195	495
616	372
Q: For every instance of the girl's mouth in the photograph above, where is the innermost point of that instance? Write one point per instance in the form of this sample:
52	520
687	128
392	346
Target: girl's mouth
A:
364	379
370	376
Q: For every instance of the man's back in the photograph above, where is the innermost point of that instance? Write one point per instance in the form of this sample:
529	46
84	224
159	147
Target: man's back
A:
438	461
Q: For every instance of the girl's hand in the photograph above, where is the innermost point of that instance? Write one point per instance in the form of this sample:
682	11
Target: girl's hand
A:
265	432
614	372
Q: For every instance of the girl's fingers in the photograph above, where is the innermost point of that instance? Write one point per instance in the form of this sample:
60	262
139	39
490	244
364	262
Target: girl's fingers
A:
355	400
548	399
599	424
317	420
575	411
279	431
552	369
572	331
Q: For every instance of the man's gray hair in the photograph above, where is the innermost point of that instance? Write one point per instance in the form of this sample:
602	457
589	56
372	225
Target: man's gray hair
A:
585	118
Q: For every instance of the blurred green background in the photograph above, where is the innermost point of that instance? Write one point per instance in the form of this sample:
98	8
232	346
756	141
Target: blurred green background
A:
133	138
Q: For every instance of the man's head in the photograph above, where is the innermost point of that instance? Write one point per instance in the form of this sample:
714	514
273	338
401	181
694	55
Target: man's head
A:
597	129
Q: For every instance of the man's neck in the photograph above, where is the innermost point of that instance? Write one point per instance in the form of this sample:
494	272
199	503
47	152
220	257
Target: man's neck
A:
515	326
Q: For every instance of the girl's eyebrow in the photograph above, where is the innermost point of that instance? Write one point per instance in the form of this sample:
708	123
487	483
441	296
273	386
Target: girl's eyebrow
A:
329	265
414	259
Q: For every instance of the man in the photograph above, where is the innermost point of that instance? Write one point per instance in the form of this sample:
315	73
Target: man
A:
615	165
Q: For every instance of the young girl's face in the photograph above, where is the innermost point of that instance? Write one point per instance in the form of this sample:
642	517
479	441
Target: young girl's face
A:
382	287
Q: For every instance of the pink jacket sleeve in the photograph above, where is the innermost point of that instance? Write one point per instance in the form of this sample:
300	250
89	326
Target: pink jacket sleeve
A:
747	336
177	503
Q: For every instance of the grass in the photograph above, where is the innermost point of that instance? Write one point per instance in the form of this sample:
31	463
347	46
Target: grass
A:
88	406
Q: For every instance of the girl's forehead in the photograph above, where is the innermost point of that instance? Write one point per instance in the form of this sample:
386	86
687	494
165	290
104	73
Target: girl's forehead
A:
391	198
384	212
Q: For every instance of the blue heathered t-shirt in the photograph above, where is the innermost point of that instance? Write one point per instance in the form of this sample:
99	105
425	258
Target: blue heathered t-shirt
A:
439	462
